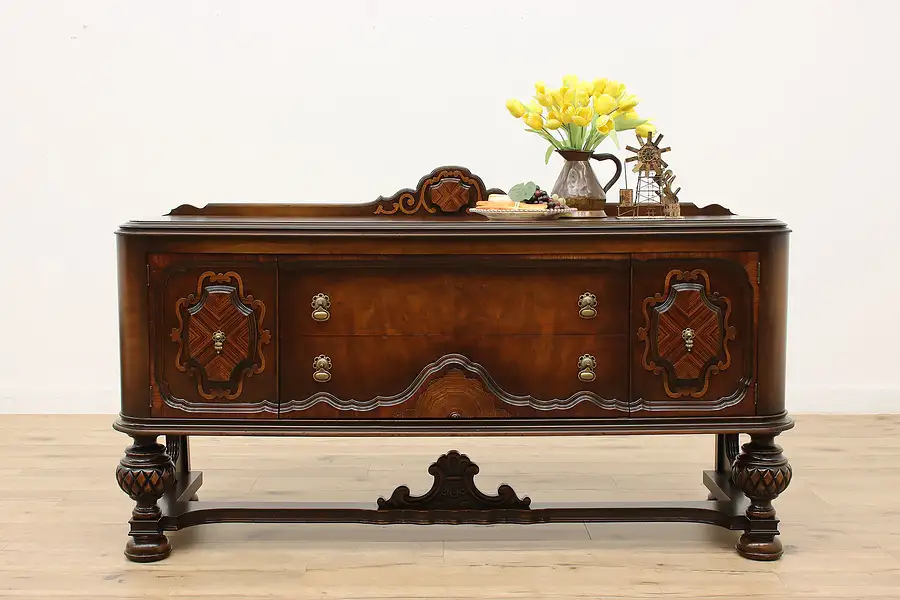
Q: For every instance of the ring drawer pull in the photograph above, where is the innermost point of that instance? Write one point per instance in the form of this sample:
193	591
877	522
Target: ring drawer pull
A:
587	306
688	336
320	305
322	369
218	339
586	366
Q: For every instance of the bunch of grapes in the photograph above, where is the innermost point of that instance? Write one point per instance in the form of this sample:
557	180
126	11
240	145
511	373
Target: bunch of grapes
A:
542	197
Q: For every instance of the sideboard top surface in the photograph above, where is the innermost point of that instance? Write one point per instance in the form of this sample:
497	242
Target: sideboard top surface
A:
441	226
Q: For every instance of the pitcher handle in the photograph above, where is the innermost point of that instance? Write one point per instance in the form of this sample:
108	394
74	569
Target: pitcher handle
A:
613	158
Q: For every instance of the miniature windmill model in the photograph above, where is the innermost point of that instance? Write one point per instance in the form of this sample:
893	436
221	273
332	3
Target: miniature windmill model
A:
650	166
654	186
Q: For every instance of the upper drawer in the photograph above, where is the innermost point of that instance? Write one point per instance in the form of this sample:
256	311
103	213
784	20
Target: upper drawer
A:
496	296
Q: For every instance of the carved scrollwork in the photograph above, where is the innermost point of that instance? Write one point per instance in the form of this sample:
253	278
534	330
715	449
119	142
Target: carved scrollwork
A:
686	333
446	190
220	335
454	489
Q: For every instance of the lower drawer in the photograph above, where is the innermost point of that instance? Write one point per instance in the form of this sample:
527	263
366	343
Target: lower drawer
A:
446	377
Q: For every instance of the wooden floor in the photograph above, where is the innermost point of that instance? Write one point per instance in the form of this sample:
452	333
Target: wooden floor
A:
63	520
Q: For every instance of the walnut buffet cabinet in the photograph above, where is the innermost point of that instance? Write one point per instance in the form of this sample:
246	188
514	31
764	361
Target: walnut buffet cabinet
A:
411	316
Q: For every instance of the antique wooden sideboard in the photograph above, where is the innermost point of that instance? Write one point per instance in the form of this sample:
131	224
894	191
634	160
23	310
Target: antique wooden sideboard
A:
411	316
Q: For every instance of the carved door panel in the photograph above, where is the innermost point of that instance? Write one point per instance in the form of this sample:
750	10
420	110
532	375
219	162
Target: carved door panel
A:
694	321
213	326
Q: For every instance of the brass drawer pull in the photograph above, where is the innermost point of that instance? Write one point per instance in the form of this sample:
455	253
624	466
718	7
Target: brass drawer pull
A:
586	366
320	305
218	339
587	306
322	369
688	336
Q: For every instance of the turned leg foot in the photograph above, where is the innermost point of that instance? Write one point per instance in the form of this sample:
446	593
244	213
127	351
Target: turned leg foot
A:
762	472
145	474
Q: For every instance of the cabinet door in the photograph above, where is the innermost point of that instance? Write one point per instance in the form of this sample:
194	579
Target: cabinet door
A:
695	324
213	330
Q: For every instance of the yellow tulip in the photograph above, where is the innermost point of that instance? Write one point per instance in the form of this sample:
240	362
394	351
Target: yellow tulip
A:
582	116
599	86
581	98
645	129
604	124
543	99
631	115
585	86
553	124
534	107
567	113
613	88
559	96
515	108
628	102
553	114
540	88
534	121
570	80
604	104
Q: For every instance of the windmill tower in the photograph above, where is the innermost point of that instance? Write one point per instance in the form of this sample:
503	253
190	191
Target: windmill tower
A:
653	194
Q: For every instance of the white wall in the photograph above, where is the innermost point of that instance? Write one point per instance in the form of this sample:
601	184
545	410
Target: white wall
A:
114	110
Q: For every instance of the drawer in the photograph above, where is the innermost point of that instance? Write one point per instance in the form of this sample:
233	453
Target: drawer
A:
483	297
446	377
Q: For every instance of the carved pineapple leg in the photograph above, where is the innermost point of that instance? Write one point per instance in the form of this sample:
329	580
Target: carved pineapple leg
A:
762	472
145	474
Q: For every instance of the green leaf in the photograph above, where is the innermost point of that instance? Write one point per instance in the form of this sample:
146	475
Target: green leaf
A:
517	193
623	124
615	137
530	189
550	150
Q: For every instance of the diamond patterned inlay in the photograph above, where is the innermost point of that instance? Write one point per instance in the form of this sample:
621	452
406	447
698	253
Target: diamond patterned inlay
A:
220	336
449	194
686	303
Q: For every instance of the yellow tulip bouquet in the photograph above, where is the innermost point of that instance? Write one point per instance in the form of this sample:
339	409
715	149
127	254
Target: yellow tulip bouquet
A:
580	114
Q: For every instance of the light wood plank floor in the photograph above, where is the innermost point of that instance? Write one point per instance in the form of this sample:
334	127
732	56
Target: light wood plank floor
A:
63	520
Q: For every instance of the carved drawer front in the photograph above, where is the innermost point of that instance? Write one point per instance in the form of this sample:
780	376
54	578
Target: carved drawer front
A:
454	378
487	296
213	327
695	334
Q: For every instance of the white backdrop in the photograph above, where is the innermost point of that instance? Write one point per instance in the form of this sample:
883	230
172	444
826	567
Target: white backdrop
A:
115	110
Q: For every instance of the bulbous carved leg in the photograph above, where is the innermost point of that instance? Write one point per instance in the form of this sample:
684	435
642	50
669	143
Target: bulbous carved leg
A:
145	474
762	472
